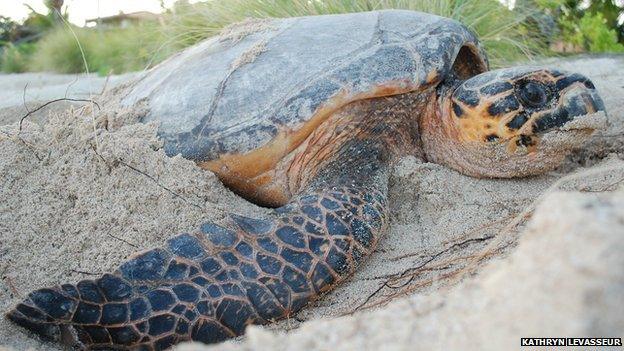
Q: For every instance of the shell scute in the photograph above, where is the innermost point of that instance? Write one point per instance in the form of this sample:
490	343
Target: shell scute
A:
308	67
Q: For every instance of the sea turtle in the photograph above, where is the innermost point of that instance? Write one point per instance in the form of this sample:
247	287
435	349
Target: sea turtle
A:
307	115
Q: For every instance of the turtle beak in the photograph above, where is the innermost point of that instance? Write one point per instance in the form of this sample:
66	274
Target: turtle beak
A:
579	108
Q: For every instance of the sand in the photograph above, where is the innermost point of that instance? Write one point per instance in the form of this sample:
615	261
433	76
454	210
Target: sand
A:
565	277
80	195
26	92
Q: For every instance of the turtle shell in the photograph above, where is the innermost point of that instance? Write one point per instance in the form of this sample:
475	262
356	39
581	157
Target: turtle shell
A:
260	90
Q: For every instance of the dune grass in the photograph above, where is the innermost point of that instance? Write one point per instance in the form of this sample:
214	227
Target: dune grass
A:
507	35
106	51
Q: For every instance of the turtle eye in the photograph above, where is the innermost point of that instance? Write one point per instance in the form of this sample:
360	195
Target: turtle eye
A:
533	94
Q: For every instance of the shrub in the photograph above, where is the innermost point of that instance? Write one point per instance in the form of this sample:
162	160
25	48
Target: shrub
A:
592	33
15	58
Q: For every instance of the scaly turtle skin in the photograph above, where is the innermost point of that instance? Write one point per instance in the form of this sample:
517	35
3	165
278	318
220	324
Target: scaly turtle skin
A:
309	124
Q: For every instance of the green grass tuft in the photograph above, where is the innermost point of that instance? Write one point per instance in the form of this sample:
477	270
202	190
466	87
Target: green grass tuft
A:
592	33
506	34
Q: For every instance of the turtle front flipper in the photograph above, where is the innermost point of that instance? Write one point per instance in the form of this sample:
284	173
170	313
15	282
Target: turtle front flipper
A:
209	285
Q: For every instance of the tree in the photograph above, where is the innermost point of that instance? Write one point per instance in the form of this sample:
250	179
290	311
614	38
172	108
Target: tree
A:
589	24
7	29
611	12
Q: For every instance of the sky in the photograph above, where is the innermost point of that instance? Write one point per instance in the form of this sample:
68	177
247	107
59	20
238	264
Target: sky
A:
79	10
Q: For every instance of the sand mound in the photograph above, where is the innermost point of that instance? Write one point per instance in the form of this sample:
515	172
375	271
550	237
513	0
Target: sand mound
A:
566	277
72	209
81	195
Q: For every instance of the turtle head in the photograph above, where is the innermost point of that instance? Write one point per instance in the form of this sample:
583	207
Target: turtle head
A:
512	122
